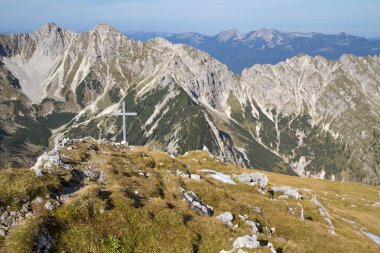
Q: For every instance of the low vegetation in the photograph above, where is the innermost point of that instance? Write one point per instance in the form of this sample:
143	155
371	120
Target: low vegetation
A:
114	198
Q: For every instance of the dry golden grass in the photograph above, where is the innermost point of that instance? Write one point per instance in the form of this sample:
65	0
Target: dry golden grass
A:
140	207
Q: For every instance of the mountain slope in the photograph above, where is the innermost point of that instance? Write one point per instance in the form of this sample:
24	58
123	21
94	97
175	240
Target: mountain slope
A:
268	46
306	116
98	196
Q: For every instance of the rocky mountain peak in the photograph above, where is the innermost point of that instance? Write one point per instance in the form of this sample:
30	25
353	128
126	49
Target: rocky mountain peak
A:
106	29
50	28
193	38
229	35
270	36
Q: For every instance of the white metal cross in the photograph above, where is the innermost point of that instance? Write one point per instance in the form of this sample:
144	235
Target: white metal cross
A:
123	113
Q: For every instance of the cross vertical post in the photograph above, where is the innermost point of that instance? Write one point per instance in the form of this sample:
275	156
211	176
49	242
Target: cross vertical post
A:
124	125
123	113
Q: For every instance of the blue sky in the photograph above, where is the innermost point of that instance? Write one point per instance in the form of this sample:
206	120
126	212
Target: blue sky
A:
359	17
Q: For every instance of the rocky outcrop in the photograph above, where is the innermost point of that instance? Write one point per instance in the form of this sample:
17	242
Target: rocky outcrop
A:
258	179
246	241
287	191
196	203
325	214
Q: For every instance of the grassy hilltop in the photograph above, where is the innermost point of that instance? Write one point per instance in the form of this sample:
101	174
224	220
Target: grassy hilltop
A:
95	196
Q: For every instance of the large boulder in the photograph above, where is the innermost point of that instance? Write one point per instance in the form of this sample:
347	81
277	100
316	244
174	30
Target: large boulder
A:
226	218
246	241
253	179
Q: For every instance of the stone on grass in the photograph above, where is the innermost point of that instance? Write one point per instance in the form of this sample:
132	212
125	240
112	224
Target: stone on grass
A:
196	203
4	216
45	242
48	205
226	218
2	233
38	199
253	179
288	191
270	246
246	241
254	226
195	177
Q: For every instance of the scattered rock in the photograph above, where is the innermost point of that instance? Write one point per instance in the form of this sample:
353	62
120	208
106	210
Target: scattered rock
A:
272	249
49	160
246	241
257	210
196	203
38	199
226	218
102	177
28	214
324	213
253	179
254	226
91	174
38	172
288	191
49	205
4	217
284	197
45	242
322	210
25	208
185	174
376	204
195	177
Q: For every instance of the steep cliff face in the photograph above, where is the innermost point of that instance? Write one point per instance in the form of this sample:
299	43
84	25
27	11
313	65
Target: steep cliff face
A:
306	116
325	114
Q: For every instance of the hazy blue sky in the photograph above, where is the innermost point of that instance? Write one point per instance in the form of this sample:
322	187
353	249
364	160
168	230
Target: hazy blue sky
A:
359	17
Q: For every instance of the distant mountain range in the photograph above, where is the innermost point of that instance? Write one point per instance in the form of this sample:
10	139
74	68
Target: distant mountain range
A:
267	46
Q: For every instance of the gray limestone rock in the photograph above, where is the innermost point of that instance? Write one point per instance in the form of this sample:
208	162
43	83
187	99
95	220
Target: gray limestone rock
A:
4	217
288	191
49	205
195	177
253	179
226	218
254	226
246	241
196	203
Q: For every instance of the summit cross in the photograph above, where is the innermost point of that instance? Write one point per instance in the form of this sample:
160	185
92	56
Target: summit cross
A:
123	113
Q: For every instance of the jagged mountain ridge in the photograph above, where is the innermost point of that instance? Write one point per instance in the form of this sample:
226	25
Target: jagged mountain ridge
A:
268	118
268	46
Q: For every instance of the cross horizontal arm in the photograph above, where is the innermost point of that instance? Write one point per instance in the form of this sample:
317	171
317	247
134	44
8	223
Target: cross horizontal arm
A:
126	113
